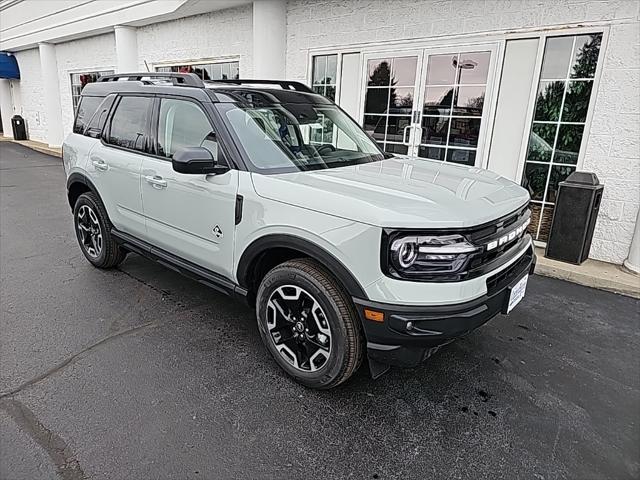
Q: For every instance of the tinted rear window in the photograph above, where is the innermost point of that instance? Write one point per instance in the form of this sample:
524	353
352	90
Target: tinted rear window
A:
86	108
129	123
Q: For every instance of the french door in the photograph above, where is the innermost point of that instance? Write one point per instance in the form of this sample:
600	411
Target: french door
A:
391	87
431	103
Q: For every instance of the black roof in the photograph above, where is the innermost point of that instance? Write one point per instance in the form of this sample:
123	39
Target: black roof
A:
251	91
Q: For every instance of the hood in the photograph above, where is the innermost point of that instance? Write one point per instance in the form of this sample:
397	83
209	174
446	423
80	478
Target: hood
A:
400	192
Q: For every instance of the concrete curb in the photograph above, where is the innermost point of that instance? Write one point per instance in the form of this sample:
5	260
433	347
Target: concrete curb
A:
592	273
37	146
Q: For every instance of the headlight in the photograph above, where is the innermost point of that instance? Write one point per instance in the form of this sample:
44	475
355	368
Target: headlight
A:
441	256
413	255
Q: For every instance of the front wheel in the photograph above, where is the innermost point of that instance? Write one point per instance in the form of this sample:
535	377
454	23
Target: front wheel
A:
309	324
93	230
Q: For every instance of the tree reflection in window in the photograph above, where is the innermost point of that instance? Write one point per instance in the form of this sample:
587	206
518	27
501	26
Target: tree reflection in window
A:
453	104
564	92
325	75
389	100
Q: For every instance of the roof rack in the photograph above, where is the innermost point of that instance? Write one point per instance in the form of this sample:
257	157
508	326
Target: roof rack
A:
178	79
284	84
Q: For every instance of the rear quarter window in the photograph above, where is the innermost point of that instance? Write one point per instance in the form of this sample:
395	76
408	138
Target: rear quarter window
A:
86	108
96	124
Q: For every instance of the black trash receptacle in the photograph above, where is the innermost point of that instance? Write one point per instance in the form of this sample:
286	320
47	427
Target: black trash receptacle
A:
18	127
574	218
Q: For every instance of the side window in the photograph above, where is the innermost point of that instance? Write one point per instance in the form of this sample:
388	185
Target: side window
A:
86	109
128	123
183	124
94	128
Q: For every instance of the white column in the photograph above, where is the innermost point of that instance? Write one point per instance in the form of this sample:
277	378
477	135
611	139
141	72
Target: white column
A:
6	107
126	49
269	39
52	105
633	260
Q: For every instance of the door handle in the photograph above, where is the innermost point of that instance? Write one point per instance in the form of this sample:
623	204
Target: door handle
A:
100	165
404	135
418	134
156	181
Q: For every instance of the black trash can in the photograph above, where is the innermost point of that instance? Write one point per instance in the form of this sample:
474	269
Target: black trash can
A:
574	218
18	127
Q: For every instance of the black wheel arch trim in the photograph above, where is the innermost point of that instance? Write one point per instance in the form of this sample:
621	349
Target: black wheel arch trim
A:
76	177
307	247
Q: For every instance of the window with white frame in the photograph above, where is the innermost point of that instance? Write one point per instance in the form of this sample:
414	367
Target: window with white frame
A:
325	75
562	102
206	70
79	80
453	106
324	80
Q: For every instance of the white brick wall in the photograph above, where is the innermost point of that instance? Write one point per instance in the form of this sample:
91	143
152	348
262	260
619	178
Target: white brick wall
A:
218	34
213	35
613	147
85	55
28	94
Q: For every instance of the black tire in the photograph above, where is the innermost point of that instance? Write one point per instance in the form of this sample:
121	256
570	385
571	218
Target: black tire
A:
347	342
110	253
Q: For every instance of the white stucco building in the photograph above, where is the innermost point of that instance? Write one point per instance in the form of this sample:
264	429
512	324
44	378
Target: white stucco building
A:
532	89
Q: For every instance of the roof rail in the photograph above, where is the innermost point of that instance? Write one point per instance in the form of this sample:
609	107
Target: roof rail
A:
178	79
284	84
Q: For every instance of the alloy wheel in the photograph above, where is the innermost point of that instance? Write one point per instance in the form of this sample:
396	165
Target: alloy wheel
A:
89	230
299	328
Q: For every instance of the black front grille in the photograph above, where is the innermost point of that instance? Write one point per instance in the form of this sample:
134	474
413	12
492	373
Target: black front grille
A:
509	274
486	234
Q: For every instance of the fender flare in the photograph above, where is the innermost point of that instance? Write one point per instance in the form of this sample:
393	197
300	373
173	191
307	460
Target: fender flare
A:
76	177
307	247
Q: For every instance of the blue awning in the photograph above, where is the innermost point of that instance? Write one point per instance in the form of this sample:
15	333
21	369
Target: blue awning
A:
9	66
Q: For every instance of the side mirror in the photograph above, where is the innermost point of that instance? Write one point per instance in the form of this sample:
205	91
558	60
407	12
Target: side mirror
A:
196	161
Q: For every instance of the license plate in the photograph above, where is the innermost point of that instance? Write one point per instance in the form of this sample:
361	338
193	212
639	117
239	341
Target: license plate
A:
517	293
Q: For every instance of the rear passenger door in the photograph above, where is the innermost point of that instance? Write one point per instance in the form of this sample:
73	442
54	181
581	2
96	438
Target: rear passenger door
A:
192	216
114	165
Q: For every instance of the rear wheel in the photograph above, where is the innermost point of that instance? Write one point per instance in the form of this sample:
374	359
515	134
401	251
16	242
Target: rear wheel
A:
93	231
309	324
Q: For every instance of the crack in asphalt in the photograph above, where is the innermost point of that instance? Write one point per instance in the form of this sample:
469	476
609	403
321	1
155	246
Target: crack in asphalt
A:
73	358
66	464
76	356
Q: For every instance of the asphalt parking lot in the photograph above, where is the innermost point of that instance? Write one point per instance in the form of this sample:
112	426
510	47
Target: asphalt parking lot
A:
141	373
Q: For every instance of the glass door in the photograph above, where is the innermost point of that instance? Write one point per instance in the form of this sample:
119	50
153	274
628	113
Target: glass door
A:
391	91
430	103
453	116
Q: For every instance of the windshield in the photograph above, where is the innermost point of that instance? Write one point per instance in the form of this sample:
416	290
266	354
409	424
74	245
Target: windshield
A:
280	138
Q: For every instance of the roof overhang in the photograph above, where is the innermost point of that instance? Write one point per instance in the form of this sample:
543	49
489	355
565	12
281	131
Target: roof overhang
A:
26	23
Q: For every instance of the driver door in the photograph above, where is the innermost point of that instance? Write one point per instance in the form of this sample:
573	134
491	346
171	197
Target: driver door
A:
191	216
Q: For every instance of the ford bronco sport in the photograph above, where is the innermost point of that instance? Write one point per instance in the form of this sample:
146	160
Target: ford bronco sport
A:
267	191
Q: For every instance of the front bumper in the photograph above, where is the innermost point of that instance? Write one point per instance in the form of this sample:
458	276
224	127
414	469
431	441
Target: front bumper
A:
408	335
